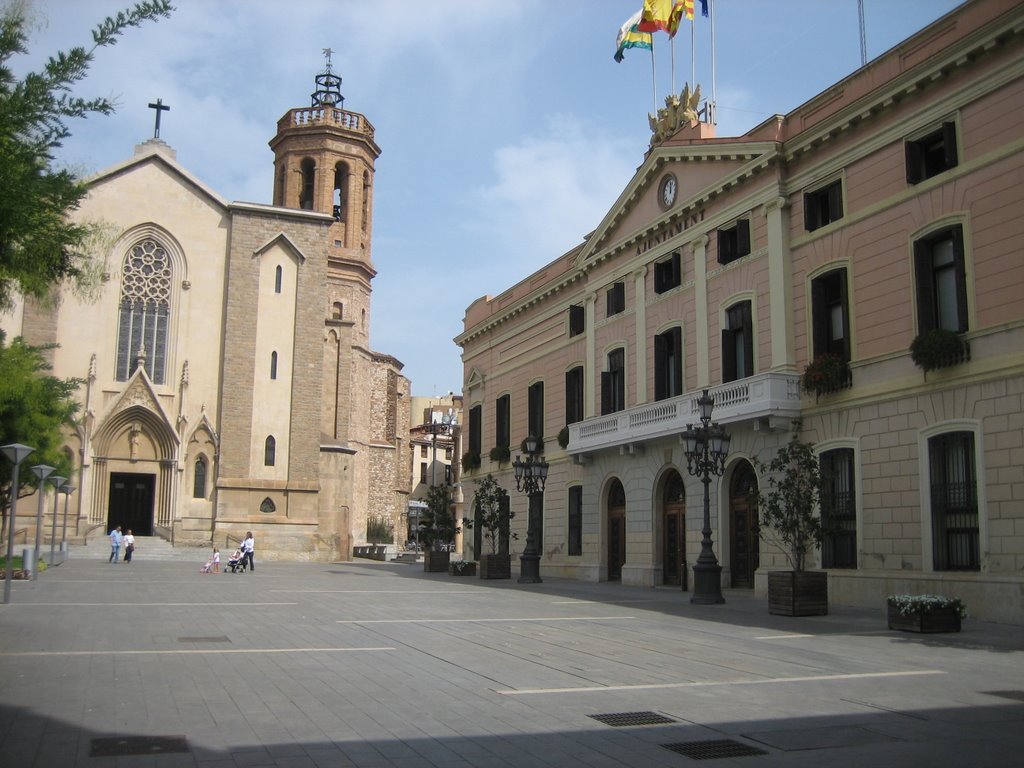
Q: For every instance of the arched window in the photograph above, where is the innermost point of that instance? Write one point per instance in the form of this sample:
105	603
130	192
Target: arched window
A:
268	506
366	198
199	479
273	365
308	184
341	192
270	451
278	274
339	311
144	313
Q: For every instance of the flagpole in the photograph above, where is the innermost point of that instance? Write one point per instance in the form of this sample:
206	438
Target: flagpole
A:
693	56
714	93
654	79
673	44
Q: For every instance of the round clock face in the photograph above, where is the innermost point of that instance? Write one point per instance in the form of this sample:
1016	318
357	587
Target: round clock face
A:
668	190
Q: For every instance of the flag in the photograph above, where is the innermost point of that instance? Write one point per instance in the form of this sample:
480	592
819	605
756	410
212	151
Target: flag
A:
687	10
662	15
704	8
631	37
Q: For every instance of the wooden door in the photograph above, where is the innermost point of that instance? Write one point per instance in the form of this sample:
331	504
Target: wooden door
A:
743	537
616	531
673	557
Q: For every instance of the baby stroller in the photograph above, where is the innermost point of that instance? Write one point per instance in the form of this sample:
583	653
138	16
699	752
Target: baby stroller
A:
236	563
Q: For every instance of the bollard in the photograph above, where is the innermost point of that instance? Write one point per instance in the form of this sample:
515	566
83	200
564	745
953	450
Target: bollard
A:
64	552
28	560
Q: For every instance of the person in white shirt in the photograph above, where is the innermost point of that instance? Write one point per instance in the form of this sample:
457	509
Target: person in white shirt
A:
248	545
129	546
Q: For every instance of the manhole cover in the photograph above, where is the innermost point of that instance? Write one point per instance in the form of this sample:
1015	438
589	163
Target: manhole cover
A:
624	719
213	639
118	746
713	749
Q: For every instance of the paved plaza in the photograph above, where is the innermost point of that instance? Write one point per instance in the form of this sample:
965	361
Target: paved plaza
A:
379	664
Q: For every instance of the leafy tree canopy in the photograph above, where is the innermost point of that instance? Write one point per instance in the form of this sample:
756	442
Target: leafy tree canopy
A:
437	524
491	505
39	245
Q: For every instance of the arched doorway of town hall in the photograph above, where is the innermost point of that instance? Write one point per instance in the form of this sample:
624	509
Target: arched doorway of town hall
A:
743	539
673	531
616	530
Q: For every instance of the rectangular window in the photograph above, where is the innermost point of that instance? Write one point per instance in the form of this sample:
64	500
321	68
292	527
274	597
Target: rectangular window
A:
502	421
423	472
734	242
616	299
823	206
667	274
830	315
954	497
613	383
941	280
575	542
738	343
577	320
535	412
668	364
447	474
423	451
932	154
574	395
475	424
838	509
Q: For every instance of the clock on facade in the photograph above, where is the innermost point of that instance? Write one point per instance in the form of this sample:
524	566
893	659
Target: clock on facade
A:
668	191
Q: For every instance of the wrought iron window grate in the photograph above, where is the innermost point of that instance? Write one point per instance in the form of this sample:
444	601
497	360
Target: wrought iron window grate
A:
714	749
626	719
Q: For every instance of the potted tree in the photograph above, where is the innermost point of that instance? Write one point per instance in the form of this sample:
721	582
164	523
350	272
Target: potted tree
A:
493	516
438	529
789	518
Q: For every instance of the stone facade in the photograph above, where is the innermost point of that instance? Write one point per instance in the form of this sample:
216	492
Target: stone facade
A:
883	208
247	398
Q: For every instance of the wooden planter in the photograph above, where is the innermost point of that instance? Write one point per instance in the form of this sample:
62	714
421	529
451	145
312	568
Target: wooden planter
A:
436	562
792	593
936	620
495	566
468	569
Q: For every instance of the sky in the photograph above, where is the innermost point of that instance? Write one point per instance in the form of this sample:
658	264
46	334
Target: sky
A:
507	130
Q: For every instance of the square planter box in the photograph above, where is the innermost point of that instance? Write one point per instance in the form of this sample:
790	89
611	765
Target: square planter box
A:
495	566
436	562
798	594
467	569
937	620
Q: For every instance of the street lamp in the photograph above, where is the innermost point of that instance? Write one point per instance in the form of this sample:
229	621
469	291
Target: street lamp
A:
41	471
67	490
57	481
15	453
439	424
531	475
706	447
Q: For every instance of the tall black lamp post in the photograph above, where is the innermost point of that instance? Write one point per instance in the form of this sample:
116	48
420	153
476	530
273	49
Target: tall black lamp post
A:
67	490
531	475
57	481
15	453
41	471
443	426
706	447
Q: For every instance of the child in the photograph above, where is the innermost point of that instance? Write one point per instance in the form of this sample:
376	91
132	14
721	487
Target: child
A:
208	567
234	560
216	560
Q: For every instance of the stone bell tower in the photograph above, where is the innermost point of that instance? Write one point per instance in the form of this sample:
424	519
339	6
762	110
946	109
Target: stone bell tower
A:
324	161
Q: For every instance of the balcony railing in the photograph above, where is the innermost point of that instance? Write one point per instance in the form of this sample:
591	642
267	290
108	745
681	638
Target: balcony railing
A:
341	118
764	396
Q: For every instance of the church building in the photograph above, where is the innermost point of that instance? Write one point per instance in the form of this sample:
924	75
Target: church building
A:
229	385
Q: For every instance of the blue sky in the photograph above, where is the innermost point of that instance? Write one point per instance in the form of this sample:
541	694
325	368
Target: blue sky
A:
506	129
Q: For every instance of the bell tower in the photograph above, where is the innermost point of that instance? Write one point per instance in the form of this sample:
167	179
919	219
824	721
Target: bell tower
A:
324	159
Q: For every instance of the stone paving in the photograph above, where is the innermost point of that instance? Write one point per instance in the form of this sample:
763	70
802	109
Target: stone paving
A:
379	664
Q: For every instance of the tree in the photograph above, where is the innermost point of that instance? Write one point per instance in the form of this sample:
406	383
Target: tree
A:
34	409
789	508
39	245
437	525
493	512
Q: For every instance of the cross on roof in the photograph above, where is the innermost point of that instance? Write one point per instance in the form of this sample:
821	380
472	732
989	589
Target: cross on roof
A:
159	107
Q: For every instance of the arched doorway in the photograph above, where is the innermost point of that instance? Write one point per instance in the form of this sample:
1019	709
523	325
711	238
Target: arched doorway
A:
743	540
616	530
673	531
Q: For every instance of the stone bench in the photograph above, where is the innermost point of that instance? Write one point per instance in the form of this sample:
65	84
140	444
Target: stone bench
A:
380	552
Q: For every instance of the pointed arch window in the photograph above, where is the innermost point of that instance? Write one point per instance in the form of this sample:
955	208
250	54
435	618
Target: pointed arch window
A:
273	365
366	198
308	169
270	451
144	311
341	174
199	479
278	278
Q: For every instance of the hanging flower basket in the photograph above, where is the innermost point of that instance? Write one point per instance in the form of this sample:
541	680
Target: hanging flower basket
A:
825	374
500	453
938	348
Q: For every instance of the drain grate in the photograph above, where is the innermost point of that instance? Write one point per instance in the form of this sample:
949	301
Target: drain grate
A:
120	746
1015	695
625	719
213	639
714	749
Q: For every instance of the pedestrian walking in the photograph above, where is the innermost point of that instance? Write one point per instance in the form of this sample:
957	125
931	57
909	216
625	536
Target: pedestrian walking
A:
129	546
248	546
115	544
216	560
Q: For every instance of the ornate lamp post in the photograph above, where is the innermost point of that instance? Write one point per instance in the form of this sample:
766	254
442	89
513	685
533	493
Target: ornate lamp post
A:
57	481
531	475
15	453
706	447
67	490
443	426
41	471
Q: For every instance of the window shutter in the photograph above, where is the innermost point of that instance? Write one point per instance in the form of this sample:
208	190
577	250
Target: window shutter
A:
819	318
961	278
835	202
949	144
607	382
811	220
748	344
676	269
676	340
661	374
924	286
723	245
742	237
915	161
728	355
844	298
